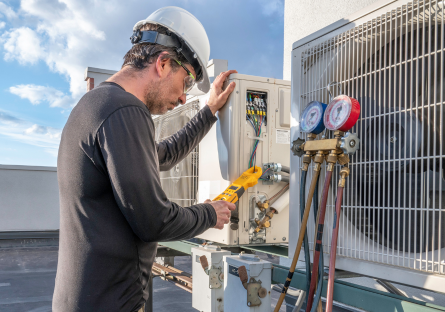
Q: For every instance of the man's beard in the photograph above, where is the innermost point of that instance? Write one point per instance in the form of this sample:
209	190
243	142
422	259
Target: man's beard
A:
156	97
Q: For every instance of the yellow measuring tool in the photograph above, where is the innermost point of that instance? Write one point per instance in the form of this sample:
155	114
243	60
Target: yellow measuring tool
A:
235	190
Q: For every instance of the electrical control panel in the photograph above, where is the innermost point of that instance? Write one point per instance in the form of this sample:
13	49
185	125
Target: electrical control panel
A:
253	129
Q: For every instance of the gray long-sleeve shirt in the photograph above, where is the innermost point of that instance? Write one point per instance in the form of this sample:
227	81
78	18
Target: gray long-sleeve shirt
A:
112	207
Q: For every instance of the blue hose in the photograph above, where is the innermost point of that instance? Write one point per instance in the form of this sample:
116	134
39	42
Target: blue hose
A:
321	263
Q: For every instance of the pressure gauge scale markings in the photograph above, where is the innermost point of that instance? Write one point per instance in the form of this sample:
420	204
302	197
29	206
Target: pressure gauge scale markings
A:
312	118
342	113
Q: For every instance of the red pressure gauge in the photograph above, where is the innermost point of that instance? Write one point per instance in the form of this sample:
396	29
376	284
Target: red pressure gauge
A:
342	113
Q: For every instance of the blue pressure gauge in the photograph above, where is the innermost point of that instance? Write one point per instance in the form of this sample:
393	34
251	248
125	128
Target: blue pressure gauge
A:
312	119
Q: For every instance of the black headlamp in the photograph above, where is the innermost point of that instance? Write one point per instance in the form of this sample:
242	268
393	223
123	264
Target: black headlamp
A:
169	40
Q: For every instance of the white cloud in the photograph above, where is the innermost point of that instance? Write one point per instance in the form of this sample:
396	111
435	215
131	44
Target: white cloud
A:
273	6
2	25
30	133
38	94
7	11
48	132
22	44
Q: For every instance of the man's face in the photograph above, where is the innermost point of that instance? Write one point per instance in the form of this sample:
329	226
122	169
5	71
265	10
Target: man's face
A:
166	93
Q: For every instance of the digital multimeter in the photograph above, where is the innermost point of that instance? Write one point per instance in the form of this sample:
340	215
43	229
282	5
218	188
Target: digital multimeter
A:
235	190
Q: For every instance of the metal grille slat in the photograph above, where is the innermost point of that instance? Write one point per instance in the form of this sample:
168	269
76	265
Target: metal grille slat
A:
393	207
180	183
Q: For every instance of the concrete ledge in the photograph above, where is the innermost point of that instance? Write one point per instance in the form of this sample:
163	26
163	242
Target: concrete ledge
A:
27	168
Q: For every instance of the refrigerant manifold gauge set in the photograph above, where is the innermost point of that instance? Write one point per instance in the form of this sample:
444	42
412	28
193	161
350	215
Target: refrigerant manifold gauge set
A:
339	116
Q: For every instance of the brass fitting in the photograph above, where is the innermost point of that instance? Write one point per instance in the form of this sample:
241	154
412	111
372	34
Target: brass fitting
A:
338	134
319	157
265	222
344	173
343	159
311	137
306	161
332	158
263	206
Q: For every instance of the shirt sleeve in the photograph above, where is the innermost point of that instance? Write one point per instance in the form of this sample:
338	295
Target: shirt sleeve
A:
126	141
176	147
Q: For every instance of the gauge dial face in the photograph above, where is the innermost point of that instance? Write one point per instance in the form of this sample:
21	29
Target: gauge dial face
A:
337	112
312	116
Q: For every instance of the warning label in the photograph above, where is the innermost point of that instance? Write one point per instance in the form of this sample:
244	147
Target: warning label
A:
283	136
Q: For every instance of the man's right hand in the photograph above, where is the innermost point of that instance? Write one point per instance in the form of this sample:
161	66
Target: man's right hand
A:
223	211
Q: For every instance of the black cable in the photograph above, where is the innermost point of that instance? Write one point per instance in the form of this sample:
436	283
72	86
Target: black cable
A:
285	169
321	263
305	240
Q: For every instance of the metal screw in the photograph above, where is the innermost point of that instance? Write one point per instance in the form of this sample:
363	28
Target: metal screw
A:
352	143
276	110
393	139
274	238
234	241
237	92
284	238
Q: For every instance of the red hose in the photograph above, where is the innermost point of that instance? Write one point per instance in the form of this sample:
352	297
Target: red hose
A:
330	294
322	209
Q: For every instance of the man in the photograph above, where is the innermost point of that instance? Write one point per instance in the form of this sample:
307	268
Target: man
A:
112	207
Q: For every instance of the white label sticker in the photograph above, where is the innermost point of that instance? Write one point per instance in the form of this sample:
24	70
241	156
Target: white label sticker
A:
283	136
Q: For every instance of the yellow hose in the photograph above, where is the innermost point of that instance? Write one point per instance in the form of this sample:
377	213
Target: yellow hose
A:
300	239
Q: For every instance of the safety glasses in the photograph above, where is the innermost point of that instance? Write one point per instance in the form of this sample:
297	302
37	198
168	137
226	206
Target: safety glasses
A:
189	80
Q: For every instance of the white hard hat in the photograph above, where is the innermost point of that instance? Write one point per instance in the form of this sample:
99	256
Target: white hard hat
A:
190	31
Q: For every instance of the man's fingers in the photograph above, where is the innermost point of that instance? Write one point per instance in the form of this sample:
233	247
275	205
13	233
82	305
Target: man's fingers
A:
225	94
222	76
207	201
228	73
231	206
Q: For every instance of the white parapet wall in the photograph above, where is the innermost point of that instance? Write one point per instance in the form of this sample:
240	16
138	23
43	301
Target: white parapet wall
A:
29	198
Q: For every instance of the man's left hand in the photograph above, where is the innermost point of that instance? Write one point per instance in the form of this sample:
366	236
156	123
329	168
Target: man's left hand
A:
218	96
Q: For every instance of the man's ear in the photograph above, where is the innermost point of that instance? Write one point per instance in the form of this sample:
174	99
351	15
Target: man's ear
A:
162	65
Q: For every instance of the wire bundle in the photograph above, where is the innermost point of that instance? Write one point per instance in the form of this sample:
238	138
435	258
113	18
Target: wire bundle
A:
256	120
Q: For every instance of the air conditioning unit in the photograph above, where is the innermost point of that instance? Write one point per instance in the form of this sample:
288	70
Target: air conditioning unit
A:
391	58
225	153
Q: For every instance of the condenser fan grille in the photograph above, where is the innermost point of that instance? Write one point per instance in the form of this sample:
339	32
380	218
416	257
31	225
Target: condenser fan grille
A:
180	183
394	202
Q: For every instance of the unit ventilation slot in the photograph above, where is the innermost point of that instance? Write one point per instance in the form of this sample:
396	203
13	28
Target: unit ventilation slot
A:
394	202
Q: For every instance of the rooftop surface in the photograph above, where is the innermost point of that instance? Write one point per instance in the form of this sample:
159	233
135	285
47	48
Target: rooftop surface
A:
28	271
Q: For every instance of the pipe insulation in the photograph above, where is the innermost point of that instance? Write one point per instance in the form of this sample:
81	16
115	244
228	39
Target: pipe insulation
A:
282	202
285	169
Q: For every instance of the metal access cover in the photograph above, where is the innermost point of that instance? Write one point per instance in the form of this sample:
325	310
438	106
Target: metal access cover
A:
215	275
253	287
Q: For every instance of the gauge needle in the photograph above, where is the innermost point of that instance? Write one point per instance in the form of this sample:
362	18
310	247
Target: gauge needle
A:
339	109
312	116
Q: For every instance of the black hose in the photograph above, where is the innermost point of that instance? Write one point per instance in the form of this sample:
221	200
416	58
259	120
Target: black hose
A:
285	179
305	240
285	169
321	263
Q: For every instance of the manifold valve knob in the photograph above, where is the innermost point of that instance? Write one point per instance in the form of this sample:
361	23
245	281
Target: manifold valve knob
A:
350	143
296	147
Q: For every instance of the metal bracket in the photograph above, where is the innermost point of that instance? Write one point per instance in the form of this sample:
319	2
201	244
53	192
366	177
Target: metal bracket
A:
216	278
255	292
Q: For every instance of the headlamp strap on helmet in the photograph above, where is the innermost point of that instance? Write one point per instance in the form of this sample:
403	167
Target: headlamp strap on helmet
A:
168	40
151	36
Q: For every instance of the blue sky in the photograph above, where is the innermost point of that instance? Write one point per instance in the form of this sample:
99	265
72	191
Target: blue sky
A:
45	46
